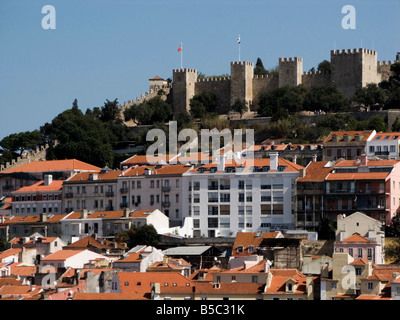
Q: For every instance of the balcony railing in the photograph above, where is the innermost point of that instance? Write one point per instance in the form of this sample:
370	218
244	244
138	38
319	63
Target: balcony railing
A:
109	193
166	204
69	195
123	190
166	188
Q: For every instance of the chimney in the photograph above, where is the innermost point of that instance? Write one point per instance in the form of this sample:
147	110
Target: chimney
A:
273	161
221	163
43	217
165	260
294	159
127	212
314	158
84	214
48	179
363	159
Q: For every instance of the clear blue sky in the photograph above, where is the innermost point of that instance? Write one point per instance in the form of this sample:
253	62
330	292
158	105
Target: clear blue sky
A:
107	49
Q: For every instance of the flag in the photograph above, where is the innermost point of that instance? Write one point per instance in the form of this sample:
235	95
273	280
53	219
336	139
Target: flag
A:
180	48
239	40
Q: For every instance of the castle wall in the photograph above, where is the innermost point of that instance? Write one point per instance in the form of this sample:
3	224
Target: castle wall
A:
346	70
384	69
242	73
184	81
221	87
316	79
263	84
369	67
290	71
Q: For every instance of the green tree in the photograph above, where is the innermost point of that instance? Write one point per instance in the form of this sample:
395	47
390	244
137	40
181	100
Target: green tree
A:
324	66
396	125
327	99
240	106
22	141
149	111
81	137
259	68
144	235
110	111
370	95
376	123
203	103
392	250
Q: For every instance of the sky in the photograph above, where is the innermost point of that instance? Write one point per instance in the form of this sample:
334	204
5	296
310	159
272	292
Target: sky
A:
109	49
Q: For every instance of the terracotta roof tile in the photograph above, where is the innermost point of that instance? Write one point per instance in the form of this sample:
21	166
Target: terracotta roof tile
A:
247	239
61	255
110	296
356	237
52	166
364	135
56	185
358	176
316	171
140	282
86	176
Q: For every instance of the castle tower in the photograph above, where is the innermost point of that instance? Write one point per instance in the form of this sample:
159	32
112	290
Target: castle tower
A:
290	71
354	68
242	73
183	88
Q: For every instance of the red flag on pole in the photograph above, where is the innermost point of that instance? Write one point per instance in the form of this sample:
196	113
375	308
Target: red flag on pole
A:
180	48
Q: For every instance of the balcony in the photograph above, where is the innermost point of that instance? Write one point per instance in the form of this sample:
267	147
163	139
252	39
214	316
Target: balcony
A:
381	153
123	190
123	205
166	204
69	195
109	193
213	187
166	189
224	187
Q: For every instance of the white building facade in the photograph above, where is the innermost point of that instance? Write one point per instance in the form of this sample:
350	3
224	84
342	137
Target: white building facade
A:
224	199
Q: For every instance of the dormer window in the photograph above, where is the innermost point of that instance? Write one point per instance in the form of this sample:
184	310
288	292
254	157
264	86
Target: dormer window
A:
290	286
250	249
239	249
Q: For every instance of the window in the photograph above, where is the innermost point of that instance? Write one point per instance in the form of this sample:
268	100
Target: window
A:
254	279
239	249
392	149
139	184
351	251
333	285
358	271
370	285
369	253
152	184
360	254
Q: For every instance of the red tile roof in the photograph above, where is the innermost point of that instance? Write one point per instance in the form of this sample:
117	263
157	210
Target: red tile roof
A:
316	171
90	241
247	239
56	185
140	282
86	176
61	255
364	135
279	278
356	237
53	166
110	296
358	176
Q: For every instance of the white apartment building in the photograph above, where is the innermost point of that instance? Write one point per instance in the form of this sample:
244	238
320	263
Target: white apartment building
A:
241	196
154	187
384	145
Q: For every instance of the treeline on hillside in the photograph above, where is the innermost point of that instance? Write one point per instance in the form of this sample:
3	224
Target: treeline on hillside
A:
89	137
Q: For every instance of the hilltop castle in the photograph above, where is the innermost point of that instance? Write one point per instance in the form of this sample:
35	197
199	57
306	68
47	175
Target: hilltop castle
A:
350	69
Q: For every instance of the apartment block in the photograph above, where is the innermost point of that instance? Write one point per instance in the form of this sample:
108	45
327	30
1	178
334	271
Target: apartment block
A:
226	196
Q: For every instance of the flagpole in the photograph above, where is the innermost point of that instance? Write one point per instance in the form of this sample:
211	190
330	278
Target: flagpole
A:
239	46
181	56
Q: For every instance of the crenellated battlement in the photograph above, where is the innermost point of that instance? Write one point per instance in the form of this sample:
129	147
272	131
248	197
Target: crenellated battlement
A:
263	76
295	59
316	73
213	79
185	70
386	63
353	51
243	63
